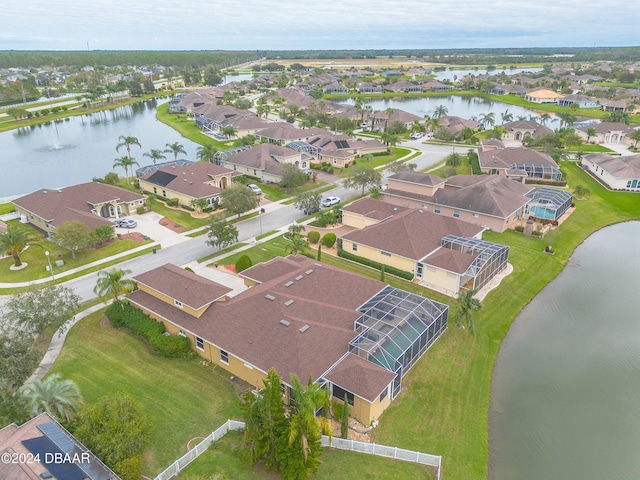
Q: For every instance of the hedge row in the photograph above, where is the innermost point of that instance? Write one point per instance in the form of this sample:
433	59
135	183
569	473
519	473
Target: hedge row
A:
370	263
122	314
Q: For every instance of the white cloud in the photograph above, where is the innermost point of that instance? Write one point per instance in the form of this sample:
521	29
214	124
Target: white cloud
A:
285	24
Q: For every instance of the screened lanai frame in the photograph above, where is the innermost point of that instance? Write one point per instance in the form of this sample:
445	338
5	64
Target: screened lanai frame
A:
396	328
543	172
490	259
550	199
306	148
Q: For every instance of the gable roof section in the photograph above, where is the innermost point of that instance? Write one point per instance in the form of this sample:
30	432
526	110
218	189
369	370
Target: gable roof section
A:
374	209
355	374
262	157
506	157
182	285
418	178
412	233
192	180
621	167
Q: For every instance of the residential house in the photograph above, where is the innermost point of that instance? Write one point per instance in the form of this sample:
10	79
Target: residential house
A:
491	201
455	125
91	203
187	183
381	119
542	96
264	161
283	133
368	87
579	101
519	164
404	85
518	130
335	88
353	335
443	253
607	132
618	173
59	454
437	86
341	150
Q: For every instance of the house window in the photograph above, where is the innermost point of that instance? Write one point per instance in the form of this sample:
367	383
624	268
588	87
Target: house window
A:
386	254
335	161
181	333
164	193
437	209
224	357
354	247
255	172
199	343
456	213
339	393
141	202
155	190
384	394
112	212
177	303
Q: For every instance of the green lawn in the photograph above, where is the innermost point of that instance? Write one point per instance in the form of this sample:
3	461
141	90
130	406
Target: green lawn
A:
222	457
186	398
6	208
36	259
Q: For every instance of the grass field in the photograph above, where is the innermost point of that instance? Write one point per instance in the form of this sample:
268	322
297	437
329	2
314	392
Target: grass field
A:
222	457
186	398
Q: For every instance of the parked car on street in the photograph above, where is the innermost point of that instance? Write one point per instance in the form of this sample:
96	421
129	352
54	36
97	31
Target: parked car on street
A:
329	201
125	223
417	135
255	188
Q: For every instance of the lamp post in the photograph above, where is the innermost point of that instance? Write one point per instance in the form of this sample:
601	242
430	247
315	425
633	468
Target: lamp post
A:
260	212
50	267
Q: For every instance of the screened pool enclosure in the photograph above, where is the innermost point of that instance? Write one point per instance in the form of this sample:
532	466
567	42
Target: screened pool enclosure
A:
548	203
395	329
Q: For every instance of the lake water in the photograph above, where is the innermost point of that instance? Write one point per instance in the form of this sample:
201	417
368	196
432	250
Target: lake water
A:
566	387
465	107
76	149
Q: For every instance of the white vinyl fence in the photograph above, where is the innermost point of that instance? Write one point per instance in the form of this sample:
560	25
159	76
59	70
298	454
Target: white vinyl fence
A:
341	444
176	467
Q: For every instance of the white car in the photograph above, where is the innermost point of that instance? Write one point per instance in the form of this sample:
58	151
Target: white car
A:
125	223
417	135
327	202
255	188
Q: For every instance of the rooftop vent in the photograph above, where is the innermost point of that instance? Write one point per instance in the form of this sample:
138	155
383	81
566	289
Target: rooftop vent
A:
270	297
310	271
304	328
288	284
299	277
285	323
288	302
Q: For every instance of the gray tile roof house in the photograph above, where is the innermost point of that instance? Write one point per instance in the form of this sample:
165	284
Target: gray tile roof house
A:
519	163
264	160
620	173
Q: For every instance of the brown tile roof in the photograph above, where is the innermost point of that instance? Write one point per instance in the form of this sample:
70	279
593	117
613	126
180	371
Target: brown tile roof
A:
286	131
504	158
355	374
261	157
374	209
452	260
75	202
248	326
606	127
183	285
193	180
412	233
419	178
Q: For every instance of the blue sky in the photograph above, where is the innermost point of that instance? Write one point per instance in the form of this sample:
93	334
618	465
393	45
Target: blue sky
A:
309	24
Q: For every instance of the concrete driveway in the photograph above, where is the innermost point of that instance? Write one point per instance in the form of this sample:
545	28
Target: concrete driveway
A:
149	225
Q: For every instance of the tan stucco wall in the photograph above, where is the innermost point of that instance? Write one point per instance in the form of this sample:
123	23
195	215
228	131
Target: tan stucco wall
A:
253	172
171	194
356	220
364	411
411	187
440	278
169	300
374	254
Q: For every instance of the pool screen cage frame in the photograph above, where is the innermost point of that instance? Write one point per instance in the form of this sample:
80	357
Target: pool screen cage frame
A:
396	327
490	259
543	172
550	198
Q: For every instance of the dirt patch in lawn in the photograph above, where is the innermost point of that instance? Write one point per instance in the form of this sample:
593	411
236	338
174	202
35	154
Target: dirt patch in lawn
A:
165	222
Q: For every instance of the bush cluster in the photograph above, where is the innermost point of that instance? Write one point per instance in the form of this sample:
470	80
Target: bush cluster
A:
122	314
370	263
329	239
313	237
172	202
243	263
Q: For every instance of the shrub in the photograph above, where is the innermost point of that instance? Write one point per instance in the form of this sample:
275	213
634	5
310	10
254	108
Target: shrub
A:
243	263
140	210
519	228
378	266
173	202
313	237
536	233
187	207
337	409
122	314
329	240
189	269
207	209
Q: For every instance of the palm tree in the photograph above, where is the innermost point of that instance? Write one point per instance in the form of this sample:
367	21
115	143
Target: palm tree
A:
112	283
566	118
206	152
127	142
125	162
592	132
59	398
440	111
487	119
635	136
154	155
296	243
13	241
390	112
506	117
454	160
544	118
228	131
296	229
467	304
176	149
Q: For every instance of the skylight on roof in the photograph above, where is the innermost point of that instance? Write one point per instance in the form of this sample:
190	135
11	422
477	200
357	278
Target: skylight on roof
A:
304	328
285	323
270	297
288	284
288	302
